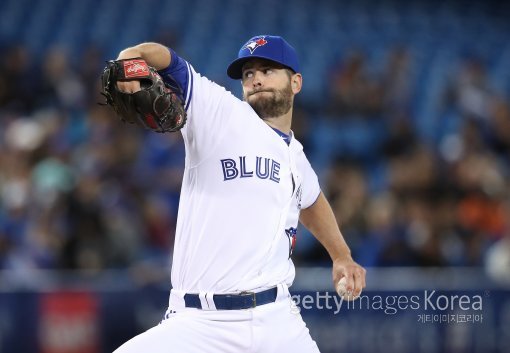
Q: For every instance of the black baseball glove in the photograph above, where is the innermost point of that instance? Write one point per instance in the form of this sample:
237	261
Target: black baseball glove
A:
157	106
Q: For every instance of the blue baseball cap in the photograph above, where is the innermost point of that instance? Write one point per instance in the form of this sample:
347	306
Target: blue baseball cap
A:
273	48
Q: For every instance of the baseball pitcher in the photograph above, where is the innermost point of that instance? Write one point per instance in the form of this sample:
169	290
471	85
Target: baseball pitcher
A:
247	183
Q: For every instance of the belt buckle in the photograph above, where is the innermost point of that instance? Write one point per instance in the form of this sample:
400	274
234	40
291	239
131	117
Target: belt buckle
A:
253	296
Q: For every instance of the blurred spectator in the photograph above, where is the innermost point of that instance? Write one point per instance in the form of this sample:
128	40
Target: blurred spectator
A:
86	245
61	85
413	172
17	82
397	79
401	138
348	194
353	91
470	91
89	69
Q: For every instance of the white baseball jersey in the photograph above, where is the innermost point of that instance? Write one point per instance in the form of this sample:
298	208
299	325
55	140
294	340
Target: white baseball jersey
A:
242	190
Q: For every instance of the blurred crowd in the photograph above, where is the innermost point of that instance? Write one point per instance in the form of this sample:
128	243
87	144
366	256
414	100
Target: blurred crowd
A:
420	198
81	190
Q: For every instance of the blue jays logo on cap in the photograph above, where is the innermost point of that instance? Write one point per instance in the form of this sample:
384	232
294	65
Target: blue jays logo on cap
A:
254	44
273	48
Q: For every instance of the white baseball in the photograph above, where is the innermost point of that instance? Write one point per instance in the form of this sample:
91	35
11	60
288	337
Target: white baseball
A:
342	291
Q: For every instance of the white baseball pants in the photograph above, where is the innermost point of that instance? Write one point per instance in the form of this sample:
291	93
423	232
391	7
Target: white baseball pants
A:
271	328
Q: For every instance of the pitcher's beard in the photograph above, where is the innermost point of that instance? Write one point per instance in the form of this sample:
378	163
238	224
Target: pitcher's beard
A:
277	104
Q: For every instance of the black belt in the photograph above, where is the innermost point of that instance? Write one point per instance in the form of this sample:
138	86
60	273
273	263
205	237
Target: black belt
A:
243	300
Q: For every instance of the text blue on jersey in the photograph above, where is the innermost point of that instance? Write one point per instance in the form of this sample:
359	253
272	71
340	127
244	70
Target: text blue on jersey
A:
269	169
